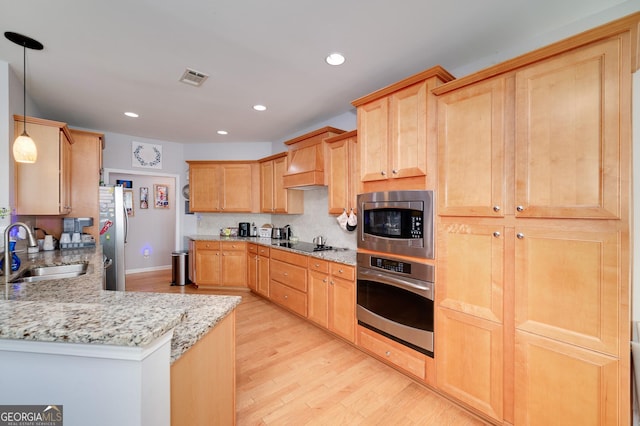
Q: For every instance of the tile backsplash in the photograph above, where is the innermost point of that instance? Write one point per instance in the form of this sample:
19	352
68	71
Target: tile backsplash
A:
315	221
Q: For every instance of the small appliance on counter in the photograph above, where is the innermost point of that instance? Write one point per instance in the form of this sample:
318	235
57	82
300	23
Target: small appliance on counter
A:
72	233
244	229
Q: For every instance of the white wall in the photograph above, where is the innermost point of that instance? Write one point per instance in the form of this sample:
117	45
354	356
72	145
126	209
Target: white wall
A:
151	235
5	163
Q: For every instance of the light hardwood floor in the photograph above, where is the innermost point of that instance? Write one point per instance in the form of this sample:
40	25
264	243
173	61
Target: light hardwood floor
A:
290	372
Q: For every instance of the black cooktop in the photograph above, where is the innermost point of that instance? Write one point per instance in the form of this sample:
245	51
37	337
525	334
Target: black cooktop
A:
302	246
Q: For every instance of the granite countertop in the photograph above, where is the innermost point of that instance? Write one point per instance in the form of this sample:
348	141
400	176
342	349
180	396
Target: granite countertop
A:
77	310
339	255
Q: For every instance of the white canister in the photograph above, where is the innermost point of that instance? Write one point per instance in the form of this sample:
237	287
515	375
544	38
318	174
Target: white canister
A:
48	243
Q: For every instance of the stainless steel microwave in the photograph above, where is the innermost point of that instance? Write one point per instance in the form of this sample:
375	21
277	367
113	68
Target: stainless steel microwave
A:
397	222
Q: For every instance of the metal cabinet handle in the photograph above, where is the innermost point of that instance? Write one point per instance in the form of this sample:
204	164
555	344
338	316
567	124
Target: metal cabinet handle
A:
388	353
496	234
324	280
383	173
520	208
286	297
520	235
496	209
394	171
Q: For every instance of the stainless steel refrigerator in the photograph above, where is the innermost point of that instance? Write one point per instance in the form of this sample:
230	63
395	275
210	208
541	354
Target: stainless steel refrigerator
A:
113	236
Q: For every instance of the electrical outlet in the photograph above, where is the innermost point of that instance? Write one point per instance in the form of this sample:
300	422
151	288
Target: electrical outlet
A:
146	253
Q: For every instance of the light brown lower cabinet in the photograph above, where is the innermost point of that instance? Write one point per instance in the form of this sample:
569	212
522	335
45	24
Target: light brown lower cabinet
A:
220	263
203	379
288	280
331	297
258	269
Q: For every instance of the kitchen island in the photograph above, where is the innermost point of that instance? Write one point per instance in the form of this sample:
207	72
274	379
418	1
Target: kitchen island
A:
114	357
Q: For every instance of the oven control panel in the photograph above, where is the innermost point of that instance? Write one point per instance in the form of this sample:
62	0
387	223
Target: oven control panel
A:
391	265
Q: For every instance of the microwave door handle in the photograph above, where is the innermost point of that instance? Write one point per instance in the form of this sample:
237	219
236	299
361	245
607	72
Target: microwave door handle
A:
395	281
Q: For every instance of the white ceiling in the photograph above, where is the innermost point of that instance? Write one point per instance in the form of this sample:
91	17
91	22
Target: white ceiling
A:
102	58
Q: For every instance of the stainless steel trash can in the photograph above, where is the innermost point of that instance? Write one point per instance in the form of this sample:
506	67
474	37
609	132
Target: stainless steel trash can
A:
179	267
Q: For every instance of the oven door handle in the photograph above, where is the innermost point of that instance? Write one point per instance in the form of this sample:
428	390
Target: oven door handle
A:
418	287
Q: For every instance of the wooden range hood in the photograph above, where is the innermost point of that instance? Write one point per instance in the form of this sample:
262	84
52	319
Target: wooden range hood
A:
305	159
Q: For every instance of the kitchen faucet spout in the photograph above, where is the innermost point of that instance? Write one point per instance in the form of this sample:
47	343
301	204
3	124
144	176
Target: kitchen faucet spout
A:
7	251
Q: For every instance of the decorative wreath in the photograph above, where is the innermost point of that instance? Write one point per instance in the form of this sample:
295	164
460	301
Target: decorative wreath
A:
142	161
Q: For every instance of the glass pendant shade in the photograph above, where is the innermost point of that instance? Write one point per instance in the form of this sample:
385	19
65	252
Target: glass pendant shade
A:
24	149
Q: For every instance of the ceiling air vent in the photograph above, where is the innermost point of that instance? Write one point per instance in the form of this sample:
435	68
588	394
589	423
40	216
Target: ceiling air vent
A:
193	77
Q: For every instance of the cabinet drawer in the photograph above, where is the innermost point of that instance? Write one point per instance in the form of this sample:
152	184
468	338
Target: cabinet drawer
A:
343	271
407	359
318	265
211	245
289	298
233	245
291	275
289	257
252	248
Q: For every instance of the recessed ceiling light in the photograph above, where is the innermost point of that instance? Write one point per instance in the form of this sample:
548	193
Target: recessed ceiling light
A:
335	59
223	132
260	107
131	114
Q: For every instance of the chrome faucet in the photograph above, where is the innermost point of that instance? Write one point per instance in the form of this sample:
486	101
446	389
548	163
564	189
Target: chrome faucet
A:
7	250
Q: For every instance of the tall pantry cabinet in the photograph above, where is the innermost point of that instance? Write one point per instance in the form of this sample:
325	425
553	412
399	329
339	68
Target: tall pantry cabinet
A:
533	268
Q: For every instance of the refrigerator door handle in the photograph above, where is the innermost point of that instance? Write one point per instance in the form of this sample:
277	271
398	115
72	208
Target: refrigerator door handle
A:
126	223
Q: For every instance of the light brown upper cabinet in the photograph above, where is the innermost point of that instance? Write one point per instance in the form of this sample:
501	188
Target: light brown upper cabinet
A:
274	197
542	141
342	172
397	133
44	187
223	186
305	159
86	162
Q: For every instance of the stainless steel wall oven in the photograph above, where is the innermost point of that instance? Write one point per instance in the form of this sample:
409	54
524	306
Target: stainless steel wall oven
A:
395	299
398	222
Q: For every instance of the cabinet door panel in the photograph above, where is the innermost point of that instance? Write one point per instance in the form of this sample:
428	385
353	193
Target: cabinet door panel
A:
568	285
234	268
373	129
342	302
560	384
38	185
280	194
65	174
236	184
204	187
470	268
408	133
469	360
207	267
568	134
318	298
471	158
263	276
266	187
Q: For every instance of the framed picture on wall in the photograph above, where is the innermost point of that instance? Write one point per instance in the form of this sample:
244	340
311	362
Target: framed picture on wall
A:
128	201
125	183
144	197
161	196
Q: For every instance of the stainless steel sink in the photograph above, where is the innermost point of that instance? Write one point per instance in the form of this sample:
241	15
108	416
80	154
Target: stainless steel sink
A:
41	273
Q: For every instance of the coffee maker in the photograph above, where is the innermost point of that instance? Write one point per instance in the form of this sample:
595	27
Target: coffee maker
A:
73	235
244	229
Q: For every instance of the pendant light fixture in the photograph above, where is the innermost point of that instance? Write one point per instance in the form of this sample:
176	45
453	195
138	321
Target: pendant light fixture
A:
24	148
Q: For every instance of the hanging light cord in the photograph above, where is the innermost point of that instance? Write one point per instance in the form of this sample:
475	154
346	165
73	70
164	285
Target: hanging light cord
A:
24	88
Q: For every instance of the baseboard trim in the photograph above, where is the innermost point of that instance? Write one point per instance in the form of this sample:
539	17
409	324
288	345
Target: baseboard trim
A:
150	269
